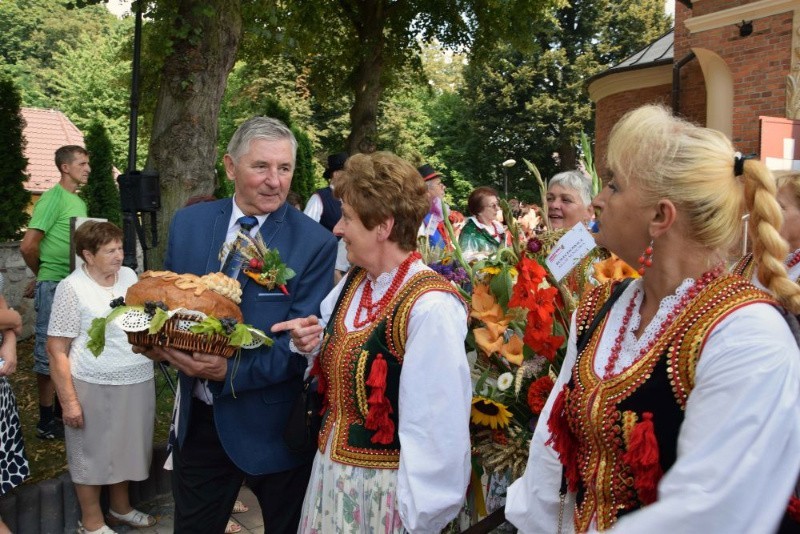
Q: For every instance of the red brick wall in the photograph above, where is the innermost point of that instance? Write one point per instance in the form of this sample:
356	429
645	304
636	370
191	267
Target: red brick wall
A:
712	6
611	108
758	63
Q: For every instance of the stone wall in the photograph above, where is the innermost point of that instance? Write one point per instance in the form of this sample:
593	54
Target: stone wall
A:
17	276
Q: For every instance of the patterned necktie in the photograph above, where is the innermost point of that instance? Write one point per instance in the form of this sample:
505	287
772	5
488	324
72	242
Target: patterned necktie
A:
233	263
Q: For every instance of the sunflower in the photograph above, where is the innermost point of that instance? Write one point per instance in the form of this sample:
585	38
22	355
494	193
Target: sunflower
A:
489	413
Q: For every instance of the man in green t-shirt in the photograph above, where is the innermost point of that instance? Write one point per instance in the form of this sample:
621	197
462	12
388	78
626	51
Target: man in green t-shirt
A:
45	249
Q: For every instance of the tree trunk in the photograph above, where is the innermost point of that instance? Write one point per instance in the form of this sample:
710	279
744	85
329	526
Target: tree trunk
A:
569	156
367	79
183	146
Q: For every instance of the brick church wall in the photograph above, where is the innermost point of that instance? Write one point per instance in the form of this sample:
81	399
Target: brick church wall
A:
613	107
759	64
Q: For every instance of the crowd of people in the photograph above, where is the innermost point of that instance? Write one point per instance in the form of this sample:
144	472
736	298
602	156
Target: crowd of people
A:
677	407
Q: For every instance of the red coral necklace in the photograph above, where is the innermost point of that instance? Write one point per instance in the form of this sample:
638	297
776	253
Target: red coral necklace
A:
691	293
374	309
794	259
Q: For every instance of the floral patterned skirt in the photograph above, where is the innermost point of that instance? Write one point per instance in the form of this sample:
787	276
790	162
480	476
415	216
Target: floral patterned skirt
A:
346	499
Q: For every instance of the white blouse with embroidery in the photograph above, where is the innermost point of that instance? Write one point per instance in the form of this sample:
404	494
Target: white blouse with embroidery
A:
738	453
79	300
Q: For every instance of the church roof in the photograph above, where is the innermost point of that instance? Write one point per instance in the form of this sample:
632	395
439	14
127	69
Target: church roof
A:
45	131
659	52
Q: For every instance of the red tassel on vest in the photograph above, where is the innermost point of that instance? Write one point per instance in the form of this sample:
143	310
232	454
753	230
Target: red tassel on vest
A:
642	457
322	385
379	407
562	440
794	509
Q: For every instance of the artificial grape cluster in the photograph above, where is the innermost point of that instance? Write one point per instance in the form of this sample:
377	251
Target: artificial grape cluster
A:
117	302
228	324
150	306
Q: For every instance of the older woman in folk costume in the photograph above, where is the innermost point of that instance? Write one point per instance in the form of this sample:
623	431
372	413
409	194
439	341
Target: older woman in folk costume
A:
394	446
681	413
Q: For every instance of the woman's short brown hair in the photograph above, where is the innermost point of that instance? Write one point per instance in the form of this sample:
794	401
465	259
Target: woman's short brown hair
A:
380	186
92	235
475	200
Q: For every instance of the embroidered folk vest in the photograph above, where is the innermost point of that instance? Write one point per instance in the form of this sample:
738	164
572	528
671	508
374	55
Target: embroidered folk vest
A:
361	375
745	266
612	423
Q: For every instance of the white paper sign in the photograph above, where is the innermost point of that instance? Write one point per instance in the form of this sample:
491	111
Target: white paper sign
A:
569	251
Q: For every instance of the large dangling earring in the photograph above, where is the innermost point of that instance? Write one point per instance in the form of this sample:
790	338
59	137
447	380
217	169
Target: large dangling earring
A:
646	259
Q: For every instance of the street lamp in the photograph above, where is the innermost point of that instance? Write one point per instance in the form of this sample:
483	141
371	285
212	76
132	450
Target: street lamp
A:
507	164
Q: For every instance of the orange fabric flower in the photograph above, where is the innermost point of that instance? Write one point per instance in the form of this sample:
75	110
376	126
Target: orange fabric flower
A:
512	351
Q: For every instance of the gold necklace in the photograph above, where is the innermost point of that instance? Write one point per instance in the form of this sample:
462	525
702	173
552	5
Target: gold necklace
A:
107	289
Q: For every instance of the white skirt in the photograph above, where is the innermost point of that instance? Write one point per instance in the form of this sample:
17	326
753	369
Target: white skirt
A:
116	441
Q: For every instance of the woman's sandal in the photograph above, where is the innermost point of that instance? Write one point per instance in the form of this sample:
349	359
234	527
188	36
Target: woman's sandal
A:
232	527
102	530
239	507
134	518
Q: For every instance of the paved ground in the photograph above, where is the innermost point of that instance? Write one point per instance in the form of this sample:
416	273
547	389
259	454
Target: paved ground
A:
163	508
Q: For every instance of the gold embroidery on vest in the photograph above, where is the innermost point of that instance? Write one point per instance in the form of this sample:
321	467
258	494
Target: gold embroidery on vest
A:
592	411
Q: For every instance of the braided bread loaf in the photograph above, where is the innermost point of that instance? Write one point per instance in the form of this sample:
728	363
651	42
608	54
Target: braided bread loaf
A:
213	294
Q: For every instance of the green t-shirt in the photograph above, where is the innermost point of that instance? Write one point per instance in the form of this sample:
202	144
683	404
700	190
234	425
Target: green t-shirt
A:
51	215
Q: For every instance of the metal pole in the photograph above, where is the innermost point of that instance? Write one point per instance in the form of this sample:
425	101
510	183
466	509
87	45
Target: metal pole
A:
130	220
137	51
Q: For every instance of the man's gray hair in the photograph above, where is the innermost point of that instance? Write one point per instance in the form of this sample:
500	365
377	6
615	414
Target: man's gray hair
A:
259	128
576	181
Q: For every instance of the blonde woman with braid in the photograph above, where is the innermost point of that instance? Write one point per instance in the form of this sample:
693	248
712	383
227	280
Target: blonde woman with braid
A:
681	411
788	183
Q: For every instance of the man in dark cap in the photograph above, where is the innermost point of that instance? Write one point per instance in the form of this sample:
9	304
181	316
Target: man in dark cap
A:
322	206
432	225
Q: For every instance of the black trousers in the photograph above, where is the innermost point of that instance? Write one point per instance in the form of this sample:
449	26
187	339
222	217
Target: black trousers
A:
205	483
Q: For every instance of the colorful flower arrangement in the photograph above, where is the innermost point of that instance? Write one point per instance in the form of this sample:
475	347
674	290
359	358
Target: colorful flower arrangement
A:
261	263
519	322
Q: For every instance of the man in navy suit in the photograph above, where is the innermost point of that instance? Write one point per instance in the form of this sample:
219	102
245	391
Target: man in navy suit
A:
232	413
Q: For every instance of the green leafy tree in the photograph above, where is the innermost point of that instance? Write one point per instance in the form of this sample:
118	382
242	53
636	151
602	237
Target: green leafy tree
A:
533	103
100	193
33	31
91	83
365	45
13	216
303	180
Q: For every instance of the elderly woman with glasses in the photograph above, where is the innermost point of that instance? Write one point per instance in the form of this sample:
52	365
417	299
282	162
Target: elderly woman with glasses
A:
483	233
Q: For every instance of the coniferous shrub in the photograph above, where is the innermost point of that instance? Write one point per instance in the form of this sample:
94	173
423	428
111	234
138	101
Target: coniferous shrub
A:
13	216
100	192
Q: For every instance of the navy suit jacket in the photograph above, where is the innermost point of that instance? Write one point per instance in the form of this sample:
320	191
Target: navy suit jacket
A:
251	406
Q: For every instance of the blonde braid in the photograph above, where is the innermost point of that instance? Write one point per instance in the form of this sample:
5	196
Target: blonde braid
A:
769	248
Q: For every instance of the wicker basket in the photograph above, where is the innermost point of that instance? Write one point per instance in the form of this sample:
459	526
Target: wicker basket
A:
171	336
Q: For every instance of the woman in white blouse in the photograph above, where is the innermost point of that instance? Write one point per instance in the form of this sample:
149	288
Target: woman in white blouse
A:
108	400
394	449
682	411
